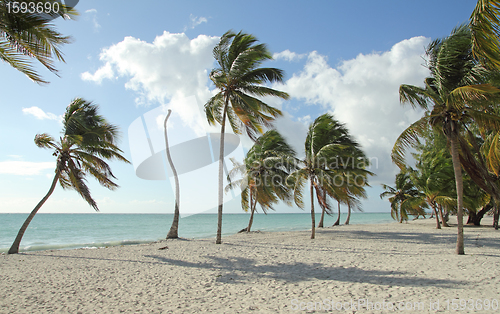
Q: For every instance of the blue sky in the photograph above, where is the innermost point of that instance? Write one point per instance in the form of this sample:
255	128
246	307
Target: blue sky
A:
343	57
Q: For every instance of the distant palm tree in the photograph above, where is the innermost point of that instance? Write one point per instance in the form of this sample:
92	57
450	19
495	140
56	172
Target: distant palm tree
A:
88	139
265	170
25	36
400	196
434	179
454	96
329	153
240	81
173	233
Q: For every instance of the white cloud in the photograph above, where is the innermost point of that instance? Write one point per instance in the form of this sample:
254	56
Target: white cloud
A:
105	72
25	168
363	94
172	67
195	21
93	14
288	55
40	114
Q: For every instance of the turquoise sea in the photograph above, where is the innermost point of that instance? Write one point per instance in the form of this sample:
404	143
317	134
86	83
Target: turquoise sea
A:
69	231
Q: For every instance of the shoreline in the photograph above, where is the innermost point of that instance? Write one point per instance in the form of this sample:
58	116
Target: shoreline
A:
80	231
261	272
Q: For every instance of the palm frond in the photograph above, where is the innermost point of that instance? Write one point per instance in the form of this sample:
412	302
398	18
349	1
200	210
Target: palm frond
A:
407	139
484	23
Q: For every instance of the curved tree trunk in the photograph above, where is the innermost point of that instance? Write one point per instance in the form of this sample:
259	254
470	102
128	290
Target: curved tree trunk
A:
173	232
14	249
443	220
252	211
348	214
475	218
313	218
459	183
496	214
218	239
338	217
434	211
320	224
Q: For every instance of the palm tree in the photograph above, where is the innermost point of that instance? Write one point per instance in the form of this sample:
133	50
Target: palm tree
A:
25	36
454	96
434	179
240	81
329	151
87	140
484	23
400	196
265	169
174	229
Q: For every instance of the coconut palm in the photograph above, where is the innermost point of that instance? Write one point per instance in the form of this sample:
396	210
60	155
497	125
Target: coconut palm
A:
87	141
484	23
173	233
240	80
454	96
357	179
434	179
26	37
265	169
329	152
400	196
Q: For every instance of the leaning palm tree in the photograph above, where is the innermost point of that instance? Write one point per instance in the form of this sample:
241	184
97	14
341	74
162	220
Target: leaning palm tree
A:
328	155
173	233
240	80
25	37
87	140
454	96
400	196
266	167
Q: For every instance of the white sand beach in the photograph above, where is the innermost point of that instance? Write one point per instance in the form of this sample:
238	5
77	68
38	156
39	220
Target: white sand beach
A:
356	268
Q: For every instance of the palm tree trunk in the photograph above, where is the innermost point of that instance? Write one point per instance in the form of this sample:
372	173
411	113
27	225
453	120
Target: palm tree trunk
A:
320	224
443	220
348	214
496	213
218	240
173	232
459	183
313	218
252	211
14	249
438	225
338	217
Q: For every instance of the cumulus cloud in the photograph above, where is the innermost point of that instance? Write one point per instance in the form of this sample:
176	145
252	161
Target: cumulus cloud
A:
172	67
105	72
25	168
287	55
363	94
40	114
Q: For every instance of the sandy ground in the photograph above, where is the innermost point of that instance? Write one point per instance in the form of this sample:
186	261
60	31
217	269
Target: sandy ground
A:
409	267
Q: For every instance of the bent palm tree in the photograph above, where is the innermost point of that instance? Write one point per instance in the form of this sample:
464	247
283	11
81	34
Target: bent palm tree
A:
88	139
329	150
174	229
239	81
399	195
454	96
265	169
25	36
